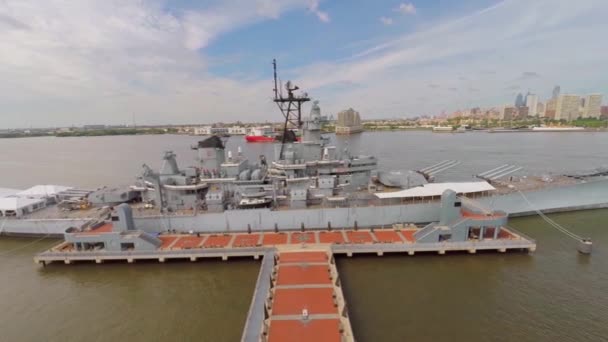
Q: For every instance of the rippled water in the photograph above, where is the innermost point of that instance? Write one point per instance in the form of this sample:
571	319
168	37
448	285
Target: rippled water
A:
552	295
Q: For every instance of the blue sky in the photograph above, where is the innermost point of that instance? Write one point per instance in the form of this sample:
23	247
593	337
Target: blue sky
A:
65	63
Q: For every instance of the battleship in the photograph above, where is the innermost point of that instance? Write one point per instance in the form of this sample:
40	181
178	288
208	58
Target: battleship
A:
308	184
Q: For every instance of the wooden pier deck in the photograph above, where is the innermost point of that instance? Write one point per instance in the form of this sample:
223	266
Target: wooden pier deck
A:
297	295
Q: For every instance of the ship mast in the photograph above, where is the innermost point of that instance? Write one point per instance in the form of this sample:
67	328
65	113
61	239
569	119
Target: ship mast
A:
290	106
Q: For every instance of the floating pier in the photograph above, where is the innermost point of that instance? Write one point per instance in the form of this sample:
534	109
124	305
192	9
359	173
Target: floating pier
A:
229	245
297	296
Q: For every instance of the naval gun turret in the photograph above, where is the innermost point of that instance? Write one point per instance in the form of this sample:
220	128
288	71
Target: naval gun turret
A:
173	189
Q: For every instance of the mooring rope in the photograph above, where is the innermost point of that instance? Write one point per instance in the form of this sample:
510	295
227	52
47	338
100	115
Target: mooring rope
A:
2	227
24	246
550	221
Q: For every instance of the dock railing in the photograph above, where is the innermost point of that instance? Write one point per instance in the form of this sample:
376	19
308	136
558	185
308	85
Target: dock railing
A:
254	325
522	235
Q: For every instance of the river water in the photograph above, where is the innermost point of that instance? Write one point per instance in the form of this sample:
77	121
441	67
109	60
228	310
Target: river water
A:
554	294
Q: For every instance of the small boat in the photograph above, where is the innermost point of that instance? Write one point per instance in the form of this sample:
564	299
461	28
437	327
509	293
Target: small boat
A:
261	134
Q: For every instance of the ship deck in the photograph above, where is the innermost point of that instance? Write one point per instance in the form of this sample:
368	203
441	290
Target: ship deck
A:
357	198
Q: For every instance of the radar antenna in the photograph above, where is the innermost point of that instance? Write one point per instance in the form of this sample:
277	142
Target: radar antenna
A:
290	106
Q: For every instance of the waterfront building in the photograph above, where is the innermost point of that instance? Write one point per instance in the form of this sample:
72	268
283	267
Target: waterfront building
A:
208	130
522	112
205	130
550	108
508	113
349	122
592	106
237	130
604	112
540	109
567	107
532	104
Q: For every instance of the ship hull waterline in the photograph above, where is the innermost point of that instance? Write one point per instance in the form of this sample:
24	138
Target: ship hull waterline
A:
582	196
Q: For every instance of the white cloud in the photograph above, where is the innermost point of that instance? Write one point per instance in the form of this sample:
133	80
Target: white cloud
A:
389	78
386	21
102	61
313	6
406	8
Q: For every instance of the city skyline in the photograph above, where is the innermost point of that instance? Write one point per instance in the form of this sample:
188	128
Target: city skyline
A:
185	62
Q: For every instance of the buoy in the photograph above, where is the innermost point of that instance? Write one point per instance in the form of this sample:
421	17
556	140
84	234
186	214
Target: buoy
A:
585	246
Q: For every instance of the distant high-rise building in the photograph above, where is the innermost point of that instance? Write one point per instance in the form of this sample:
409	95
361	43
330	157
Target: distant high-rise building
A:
540	109
522	112
550	108
519	100
556	91
604	112
592	106
508	113
532	104
567	107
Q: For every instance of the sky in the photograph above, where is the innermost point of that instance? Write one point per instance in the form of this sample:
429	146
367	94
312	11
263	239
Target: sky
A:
65	63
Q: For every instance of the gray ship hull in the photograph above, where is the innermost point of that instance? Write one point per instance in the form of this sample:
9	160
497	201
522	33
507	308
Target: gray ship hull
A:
589	195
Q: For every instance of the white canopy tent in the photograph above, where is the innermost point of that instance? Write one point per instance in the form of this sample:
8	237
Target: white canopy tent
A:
19	206
436	189
44	191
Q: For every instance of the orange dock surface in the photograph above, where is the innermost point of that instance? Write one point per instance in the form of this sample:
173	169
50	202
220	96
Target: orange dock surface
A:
315	300
319	330
274	239
408	234
387	236
298	237
187	242
217	241
359	236
302	257
331	237
167	241
246	240
305	304
303	274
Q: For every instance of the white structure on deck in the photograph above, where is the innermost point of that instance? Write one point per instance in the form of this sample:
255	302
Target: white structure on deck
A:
50	192
436	189
16	203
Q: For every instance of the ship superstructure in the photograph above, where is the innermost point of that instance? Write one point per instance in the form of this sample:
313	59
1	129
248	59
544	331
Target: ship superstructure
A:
302	174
